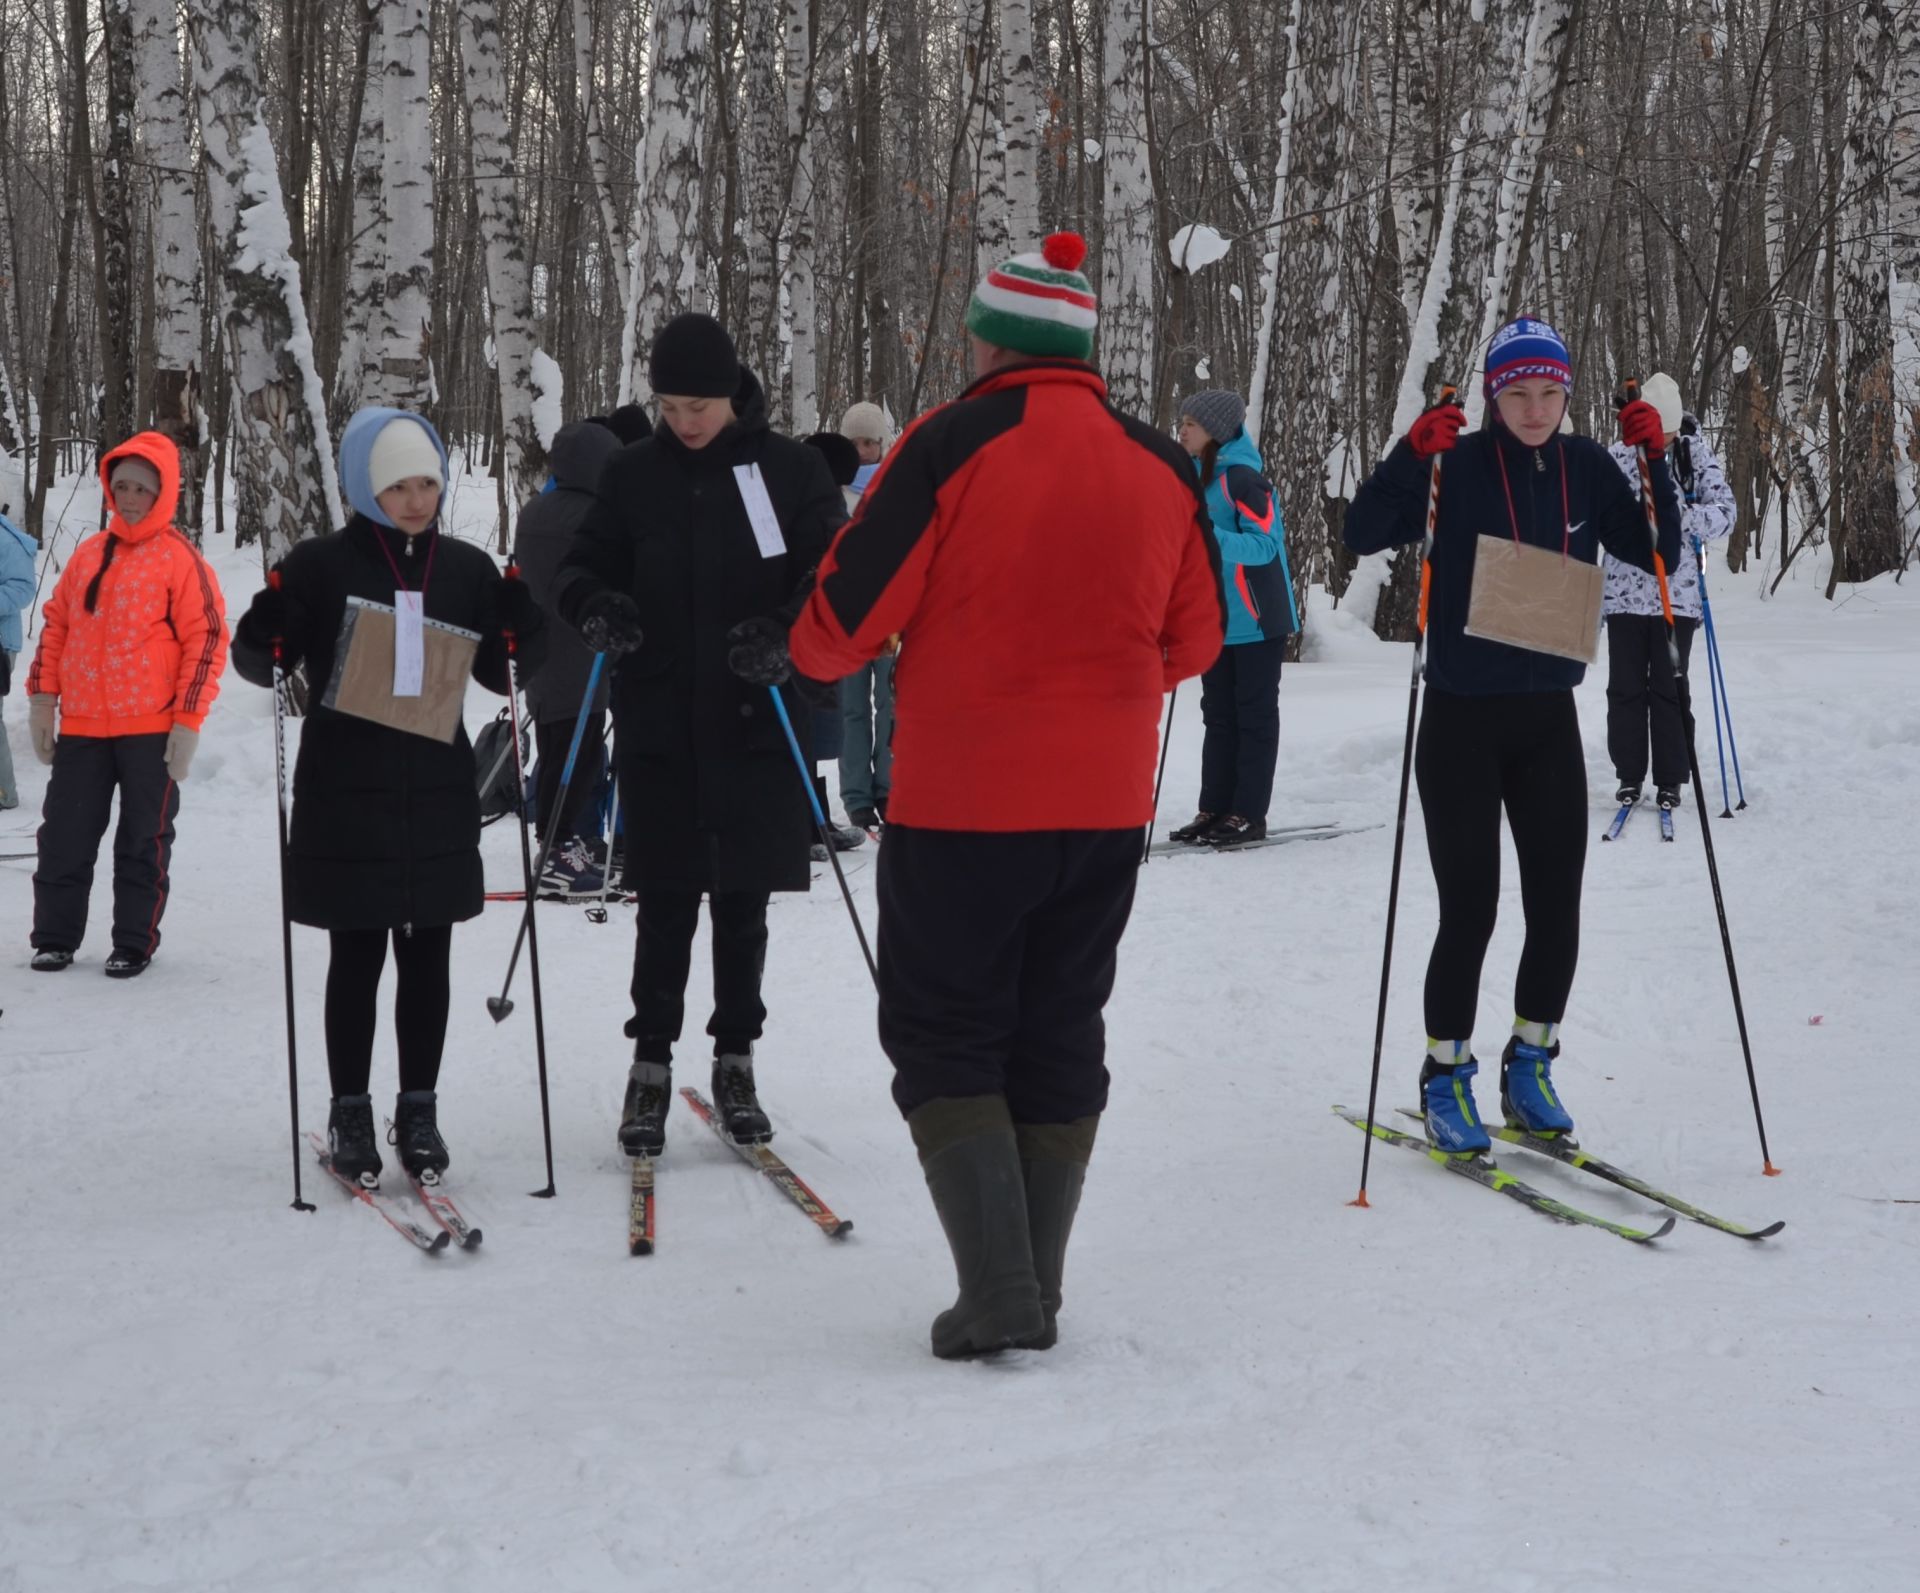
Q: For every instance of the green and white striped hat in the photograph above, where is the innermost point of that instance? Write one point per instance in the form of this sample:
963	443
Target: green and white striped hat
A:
1038	303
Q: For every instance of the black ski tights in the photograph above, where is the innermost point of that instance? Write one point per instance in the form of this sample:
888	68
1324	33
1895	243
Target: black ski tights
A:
1476	754
420	1002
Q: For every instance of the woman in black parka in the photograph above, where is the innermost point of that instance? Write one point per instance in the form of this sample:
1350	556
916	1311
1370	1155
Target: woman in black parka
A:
691	566
386	824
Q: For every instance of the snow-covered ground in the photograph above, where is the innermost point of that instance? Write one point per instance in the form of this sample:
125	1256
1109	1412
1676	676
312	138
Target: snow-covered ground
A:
1258	1386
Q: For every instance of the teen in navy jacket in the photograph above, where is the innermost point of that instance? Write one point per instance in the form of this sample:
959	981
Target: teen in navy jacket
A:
1498	729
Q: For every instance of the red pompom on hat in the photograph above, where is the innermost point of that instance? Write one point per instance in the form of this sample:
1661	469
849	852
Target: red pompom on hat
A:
1064	250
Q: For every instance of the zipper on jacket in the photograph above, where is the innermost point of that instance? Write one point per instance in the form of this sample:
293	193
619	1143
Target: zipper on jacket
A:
1539	461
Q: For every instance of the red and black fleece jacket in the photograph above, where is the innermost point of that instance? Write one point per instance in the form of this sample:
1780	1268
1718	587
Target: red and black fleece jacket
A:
1046	564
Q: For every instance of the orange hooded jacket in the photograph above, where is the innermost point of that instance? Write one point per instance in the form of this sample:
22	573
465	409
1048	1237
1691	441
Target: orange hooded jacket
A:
149	653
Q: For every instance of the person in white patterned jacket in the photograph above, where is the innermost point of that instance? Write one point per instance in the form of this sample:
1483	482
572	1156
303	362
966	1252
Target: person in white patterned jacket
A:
1646	706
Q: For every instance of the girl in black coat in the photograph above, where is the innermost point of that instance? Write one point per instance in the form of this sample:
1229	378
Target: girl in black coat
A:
692	566
385	839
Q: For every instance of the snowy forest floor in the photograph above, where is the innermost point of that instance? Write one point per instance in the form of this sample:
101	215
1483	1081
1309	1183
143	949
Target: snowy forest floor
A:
1257	1385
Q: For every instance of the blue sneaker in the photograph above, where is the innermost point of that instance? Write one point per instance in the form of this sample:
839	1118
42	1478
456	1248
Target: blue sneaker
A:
571	872
1527	1095
1446	1097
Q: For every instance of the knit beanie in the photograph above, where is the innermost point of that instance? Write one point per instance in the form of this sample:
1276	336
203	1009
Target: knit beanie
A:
402	450
1663	392
1525	350
132	468
865	423
1038	303
1216	412
694	358
843	459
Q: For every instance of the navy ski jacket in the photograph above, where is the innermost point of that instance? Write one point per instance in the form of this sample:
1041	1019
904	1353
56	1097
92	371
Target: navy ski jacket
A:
1602	509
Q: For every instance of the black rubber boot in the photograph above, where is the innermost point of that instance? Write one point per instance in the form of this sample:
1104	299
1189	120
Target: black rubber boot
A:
416	1133
1053	1163
643	1117
352	1147
972	1165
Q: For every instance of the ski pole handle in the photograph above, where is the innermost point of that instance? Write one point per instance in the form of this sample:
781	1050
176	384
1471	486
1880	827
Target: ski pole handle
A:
279	642
1630	393
1448	395
512	573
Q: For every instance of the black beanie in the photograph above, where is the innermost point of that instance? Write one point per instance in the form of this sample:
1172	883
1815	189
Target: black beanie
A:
694	358
843	459
629	423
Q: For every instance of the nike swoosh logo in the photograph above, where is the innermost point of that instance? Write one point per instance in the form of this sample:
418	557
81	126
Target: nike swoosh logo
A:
1575	527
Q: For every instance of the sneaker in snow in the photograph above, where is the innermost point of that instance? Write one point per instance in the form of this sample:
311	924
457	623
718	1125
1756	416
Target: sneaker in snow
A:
571	871
1189	834
126	964
1446	1097
1235	831
1527	1096
50	959
845	837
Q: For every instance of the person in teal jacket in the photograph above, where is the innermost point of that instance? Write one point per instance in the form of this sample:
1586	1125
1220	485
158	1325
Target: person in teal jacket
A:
1240	695
17	554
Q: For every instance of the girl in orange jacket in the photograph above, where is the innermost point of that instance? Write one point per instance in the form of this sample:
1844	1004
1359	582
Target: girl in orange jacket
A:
132	645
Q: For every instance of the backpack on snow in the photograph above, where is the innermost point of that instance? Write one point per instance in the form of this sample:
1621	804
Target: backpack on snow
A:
494	766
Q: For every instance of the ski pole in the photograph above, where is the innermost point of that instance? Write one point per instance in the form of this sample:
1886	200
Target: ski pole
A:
1159	779
1713	680
1720	678
820	824
501	1006
597	914
527	930
1447	396
1632	391
286	918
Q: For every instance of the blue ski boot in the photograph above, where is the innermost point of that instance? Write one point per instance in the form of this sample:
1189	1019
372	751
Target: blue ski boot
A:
1527	1095
1446	1097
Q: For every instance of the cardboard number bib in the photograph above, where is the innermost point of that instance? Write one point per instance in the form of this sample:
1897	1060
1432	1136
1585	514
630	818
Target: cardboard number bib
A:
1536	598
363	672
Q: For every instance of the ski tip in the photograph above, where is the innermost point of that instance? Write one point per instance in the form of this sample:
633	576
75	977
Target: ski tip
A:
472	1240
1661	1232
439	1242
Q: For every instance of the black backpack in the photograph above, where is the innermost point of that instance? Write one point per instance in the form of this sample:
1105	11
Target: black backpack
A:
494	766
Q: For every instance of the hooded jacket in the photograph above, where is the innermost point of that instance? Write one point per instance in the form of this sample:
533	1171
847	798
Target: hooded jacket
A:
1707	514
18	555
546	531
1253	545
1566	472
149	653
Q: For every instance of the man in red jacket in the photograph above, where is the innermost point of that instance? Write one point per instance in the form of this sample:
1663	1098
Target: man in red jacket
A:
1047	566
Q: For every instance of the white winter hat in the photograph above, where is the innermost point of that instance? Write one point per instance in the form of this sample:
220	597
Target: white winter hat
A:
865	422
402	450
1663	392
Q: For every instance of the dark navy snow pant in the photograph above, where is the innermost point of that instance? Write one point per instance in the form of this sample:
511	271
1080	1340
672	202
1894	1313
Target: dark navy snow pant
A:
1240	702
87	770
1476	755
663	957
1645	702
997	954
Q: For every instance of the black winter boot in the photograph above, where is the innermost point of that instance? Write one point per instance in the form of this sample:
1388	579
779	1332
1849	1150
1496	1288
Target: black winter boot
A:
1189	834
416	1131
643	1117
1053	1163
736	1101
352	1148
972	1165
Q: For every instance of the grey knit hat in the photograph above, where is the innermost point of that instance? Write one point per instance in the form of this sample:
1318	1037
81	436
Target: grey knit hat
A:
1216	411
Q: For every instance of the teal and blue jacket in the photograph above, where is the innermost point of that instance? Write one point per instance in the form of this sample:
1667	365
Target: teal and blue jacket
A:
1253	545
17	553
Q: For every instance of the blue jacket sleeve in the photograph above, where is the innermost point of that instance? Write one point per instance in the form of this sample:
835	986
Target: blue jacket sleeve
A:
16	572
1256	537
1391	506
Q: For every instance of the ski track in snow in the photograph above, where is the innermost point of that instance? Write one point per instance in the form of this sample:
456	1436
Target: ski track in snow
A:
1257	1385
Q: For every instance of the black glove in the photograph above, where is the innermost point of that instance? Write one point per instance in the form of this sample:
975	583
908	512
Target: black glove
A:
271	615
758	651
515	610
610	624
822	694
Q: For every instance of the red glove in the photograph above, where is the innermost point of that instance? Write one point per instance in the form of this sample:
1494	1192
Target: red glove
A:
1640	427
1438	429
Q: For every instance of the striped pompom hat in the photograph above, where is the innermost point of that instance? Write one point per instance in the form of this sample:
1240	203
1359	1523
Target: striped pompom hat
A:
1038	303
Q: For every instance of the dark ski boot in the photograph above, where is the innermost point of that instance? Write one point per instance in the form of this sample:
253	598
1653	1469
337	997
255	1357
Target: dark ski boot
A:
1053	1164
1235	831
1191	834
1668	796
736	1102
352	1149
643	1116
972	1165
416	1131
1628	794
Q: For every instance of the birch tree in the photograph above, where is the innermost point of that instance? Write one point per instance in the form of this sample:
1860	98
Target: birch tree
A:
403	375
175	402
1020	119
803	408
113	228
509	288
765	160
1127	252
666	211
363	322
599	161
280	419
1903	231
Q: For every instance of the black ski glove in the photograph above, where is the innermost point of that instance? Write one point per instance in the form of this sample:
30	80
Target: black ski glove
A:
610	624
514	609
273	614
758	651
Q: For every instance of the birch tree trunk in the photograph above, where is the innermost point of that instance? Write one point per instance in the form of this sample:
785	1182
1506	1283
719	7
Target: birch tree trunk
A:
667	206
175	406
363	324
802	295
16	397
1903	150
1127	254
599	161
279	413
509	286
1020	100
766	183
114	233
404	374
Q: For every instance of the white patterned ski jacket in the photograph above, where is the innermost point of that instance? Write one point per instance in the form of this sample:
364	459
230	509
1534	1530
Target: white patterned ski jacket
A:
1706	513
